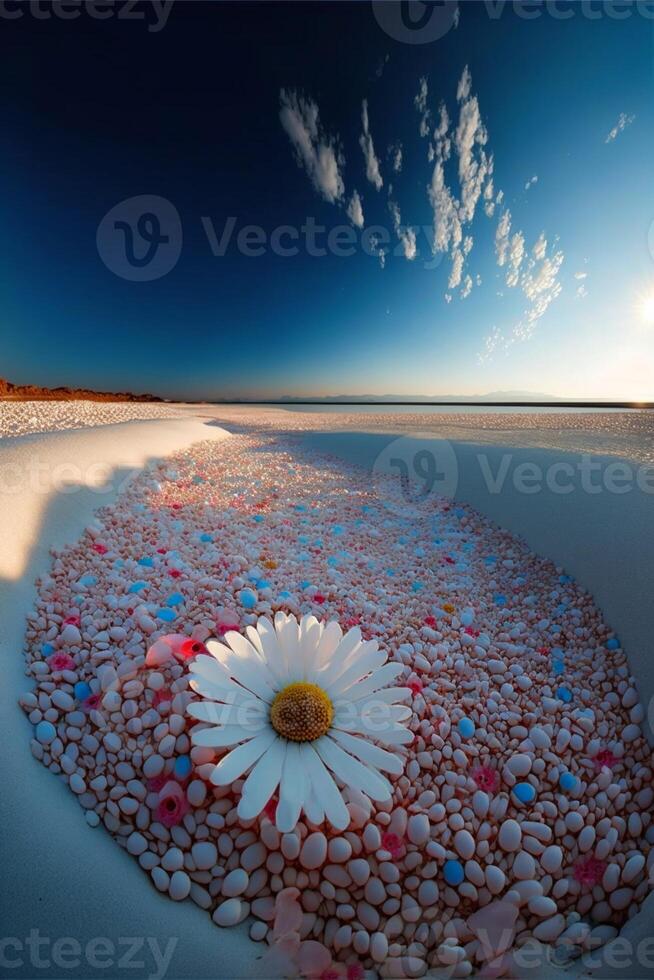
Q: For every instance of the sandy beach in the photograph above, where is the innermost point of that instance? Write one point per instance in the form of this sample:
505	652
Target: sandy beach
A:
599	545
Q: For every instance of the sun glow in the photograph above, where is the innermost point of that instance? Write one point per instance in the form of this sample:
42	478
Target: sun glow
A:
646	307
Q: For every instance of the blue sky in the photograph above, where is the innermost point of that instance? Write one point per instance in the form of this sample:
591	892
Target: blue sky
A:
256	112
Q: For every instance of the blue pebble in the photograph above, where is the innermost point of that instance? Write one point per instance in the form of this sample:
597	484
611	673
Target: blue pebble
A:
247	598
567	782
558	667
47	649
285	594
499	599
337	529
564	694
88	580
416	586
300	508
182	766
82	691
524	792
263	583
466	727
453	873
612	644
137	586
178	525
206	537
258	518
168	615
45	732
146	561
175	599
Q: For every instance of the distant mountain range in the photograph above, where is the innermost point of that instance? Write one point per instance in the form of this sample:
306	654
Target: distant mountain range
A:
36	393
492	396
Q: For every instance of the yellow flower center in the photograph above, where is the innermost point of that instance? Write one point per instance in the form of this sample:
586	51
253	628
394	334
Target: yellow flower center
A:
301	712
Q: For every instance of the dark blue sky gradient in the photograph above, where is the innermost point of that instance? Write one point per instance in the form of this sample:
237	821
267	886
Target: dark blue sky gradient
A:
94	112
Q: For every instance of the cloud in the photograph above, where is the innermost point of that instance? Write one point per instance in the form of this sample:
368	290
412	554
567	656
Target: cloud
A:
395	155
456	271
376	249
467	287
502	233
447	224
355	210
373	172
532	180
474	166
537	275
420	102
379	71
581	292
581	275
314	150
407	236
464	86
624	120
540	247
516	254
475	174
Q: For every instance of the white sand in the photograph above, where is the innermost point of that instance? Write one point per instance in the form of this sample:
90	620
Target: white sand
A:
63	878
58	875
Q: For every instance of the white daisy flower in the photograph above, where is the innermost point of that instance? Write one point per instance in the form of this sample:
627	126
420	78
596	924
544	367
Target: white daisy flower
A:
301	707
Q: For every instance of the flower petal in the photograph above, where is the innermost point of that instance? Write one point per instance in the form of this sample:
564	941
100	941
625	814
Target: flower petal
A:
221	737
380	678
368	753
326	790
293	790
368	659
334	666
235	763
272	650
244	651
351	772
331	637
391	735
262	781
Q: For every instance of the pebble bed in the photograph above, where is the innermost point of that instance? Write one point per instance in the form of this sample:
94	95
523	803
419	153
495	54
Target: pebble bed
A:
20	418
526	800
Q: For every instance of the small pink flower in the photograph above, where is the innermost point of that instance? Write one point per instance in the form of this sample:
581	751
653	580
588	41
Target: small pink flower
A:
60	661
415	687
174	573
331	973
486	778
589	872
100	548
319	598
172	806
393	844
192	648
354	971
92	703
71	621
605	758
